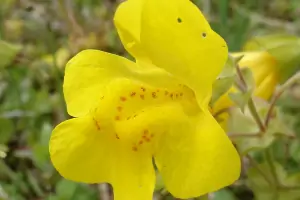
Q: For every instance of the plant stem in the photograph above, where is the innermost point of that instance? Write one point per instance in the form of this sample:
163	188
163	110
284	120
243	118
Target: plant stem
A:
296	187
241	77
256	166
279	92
269	160
251	104
246	135
220	112
66	8
255	115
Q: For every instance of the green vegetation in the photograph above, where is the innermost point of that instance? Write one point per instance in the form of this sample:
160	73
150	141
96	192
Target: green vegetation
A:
38	37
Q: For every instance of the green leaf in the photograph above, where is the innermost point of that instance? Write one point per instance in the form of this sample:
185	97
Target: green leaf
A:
40	148
294	149
246	134
288	58
278	125
248	77
3	151
264	191
284	48
225	80
224	194
6	130
33	183
66	189
267	42
220	87
240	99
8	53
3	194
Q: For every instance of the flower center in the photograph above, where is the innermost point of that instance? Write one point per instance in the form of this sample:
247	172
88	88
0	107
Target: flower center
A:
135	113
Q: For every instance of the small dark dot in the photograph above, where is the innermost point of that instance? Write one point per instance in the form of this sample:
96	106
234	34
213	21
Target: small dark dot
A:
179	20
204	35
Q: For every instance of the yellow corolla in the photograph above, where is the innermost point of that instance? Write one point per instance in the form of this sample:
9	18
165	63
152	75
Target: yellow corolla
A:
265	73
128	114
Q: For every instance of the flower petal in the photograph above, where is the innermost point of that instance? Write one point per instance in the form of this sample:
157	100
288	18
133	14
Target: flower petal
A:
260	62
83	153
267	87
128	23
88	73
85	77
197	157
177	37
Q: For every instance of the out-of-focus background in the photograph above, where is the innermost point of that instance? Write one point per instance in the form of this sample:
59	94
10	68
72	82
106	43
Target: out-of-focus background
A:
37	37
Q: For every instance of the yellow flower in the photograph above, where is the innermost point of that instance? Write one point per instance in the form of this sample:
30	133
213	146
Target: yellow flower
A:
264	68
127	113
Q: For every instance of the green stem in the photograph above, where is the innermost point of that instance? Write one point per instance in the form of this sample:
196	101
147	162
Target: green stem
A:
296	187
251	104
279	92
255	115
256	166
246	135
269	160
67	11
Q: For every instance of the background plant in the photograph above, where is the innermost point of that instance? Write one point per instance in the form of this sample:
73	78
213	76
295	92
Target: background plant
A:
38	37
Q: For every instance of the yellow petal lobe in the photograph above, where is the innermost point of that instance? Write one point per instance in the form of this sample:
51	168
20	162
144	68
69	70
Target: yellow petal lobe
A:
88	73
196	157
177	37
84	150
128	23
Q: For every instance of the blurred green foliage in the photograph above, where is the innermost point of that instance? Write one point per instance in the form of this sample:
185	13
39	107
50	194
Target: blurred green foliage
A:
38	37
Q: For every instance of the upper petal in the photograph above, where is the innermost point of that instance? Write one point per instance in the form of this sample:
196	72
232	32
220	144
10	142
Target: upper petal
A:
85	77
128	23
176	36
83	152
196	157
88	73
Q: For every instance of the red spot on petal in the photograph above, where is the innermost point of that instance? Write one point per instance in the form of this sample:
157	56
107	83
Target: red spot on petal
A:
146	131
166	93
157	90
148	140
117	136
171	95
119	108
154	94
142	96
143	89
123	98
134	148
132	94
117	118
141	142
97	124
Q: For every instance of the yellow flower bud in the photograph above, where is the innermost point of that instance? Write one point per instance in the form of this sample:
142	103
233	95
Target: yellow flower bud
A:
265	73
